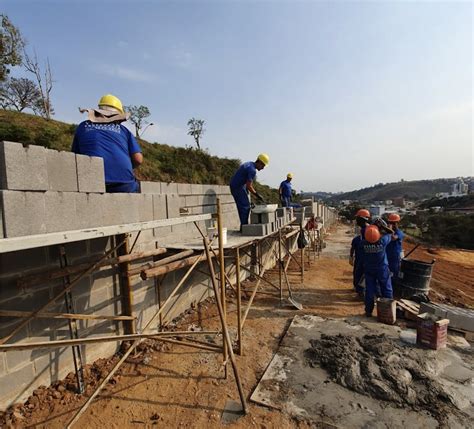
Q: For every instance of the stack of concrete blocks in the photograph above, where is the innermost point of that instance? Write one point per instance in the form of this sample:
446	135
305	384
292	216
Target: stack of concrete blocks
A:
262	224
459	318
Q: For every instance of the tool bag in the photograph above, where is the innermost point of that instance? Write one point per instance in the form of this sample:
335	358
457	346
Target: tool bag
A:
302	241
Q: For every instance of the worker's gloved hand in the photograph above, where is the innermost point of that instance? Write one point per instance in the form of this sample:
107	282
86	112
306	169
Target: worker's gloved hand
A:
259	197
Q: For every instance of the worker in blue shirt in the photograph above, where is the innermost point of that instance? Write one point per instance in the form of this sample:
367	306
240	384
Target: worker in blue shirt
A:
104	135
377	274
285	191
356	259
241	185
394	248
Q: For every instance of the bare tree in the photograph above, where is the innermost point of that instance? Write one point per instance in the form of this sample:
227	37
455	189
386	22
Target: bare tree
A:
137	116
20	94
11	45
44	81
196	130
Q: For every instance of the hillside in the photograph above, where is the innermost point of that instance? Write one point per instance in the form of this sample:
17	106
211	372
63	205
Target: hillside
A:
412	190
162	162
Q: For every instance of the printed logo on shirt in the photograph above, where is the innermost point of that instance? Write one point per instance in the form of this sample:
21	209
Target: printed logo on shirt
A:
90	126
373	248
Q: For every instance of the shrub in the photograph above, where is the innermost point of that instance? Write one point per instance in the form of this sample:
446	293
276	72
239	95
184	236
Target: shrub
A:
15	133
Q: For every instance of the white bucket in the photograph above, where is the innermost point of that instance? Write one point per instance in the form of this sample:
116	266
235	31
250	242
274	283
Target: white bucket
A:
212	232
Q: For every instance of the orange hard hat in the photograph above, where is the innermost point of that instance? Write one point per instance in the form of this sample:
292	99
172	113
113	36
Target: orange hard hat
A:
393	217
363	213
372	234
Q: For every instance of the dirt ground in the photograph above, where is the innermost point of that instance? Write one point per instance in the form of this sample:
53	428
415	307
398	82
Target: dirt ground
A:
175	386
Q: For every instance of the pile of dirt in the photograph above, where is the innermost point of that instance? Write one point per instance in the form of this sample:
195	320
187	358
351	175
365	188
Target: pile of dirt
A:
377	366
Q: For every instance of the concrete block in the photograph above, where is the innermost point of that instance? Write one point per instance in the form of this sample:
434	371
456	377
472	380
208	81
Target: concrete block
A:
62	171
169	188
184	189
120	209
172	206
60	211
89	210
255	230
144	204
459	318
193	200
14	385
197	189
90	174
209	199
23	213
160	212
262	217
150	187
23	168
281	212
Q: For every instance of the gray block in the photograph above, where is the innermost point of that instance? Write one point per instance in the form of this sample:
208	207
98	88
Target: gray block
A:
193	200
262	217
159	207
60	211
281	212
14	383
89	210
23	213
184	188
150	187
145	207
62	171
169	188
197	189
255	230
90	174
459	318
172	206
119	209
23	168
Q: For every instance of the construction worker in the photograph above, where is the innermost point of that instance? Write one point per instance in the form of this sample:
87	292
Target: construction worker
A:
241	185
356	258
376	271
104	135
394	248
285	191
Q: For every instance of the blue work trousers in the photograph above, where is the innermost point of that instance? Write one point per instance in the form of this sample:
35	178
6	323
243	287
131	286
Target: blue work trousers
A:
131	187
394	267
377	279
357	273
285	201
242	201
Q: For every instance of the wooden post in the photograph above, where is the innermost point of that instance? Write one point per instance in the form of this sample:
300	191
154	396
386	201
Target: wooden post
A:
126	286
239	301
225	332
279	268
222	277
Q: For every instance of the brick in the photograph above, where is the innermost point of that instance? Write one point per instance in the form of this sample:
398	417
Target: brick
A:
184	189
89	210
62	172
23	168
15	383
169	188
60	211
255	230
90	174
150	187
23	213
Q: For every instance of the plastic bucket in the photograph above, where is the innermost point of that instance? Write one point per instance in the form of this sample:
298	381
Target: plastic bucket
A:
414	277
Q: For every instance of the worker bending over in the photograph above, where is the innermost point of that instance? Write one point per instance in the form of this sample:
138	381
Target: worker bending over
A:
285	191
394	248
241	185
377	274
356	258
104	135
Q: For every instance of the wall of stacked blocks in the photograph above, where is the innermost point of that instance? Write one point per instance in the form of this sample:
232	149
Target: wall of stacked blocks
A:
45	191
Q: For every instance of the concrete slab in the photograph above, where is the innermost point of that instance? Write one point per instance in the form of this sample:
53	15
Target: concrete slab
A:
23	168
307	391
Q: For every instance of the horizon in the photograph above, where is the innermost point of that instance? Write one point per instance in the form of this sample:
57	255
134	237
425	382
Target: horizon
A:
343	95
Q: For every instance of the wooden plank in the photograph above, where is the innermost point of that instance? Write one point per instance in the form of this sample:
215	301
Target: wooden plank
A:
173	266
160	262
46	315
41	240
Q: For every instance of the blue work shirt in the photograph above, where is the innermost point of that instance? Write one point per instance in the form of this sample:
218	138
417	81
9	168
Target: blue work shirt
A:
375	256
285	189
114	143
394	248
356	244
245	173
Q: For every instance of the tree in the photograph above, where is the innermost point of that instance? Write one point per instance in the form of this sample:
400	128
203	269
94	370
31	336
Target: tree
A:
11	46
137	116
44	81
20	94
196	130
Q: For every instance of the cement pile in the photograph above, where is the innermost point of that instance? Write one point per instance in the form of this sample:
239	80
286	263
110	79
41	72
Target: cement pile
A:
377	366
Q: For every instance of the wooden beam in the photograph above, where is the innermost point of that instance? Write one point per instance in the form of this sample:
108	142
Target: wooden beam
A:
159	263
46	315
173	266
41	240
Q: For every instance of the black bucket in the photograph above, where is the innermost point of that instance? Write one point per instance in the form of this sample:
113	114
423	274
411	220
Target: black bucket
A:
414	278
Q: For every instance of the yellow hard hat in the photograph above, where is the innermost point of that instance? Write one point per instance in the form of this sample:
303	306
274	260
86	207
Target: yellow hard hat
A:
111	101
264	158
289	176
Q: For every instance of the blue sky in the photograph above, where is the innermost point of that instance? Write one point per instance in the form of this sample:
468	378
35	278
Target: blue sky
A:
341	94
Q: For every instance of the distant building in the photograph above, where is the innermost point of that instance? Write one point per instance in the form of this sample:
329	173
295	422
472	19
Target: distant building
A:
399	202
459	188
378	210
